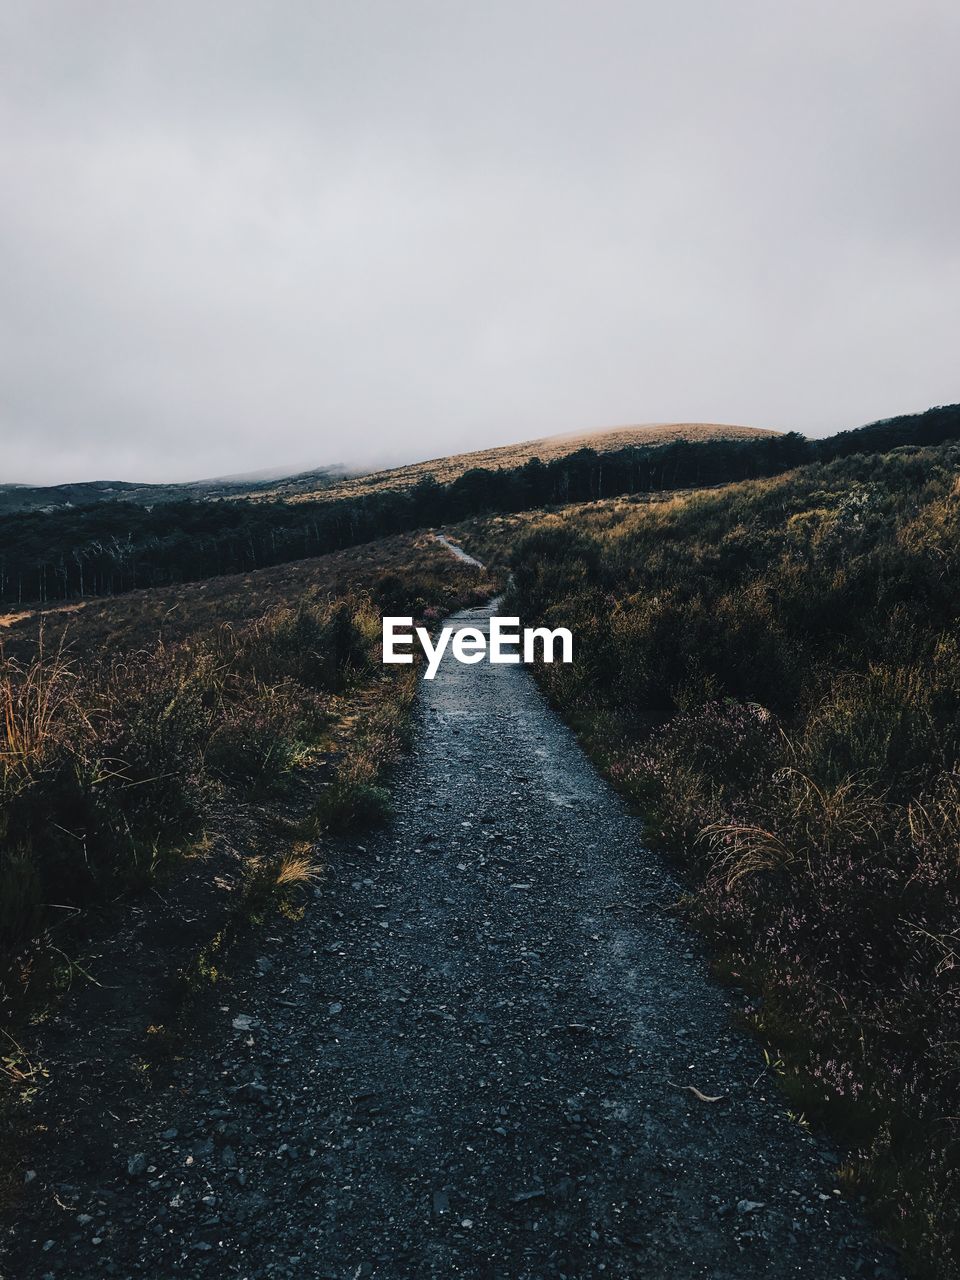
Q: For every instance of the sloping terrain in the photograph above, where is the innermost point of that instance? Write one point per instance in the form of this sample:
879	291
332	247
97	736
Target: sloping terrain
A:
506	456
475	1056
336	481
84	493
136	620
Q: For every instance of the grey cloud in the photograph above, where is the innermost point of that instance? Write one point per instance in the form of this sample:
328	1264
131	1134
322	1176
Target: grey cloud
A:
240	235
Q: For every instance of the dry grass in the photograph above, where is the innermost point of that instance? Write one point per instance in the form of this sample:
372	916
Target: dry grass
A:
185	704
32	702
770	670
21	615
175	613
297	868
515	455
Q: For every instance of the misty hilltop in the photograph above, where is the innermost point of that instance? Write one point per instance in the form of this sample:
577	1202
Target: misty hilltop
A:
337	481
84	493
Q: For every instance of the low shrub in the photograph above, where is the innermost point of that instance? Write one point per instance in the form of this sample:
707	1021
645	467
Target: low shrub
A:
257	738
772	673
108	765
105	767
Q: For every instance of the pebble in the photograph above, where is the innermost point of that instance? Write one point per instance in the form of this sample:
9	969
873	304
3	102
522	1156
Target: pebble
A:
750	1206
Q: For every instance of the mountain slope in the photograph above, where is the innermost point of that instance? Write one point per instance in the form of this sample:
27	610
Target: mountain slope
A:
546	448
85	493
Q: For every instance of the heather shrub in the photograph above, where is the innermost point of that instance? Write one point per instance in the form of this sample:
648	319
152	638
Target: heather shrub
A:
316	643
699	761
156	713
354	797
256	739
108	763
894	724
773	676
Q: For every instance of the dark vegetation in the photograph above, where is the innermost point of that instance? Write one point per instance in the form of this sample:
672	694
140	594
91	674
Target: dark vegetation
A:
45	498
113	547
772	671
121	727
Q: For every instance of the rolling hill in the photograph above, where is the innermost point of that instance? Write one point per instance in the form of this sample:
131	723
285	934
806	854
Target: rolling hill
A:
605	440
85	493
336	481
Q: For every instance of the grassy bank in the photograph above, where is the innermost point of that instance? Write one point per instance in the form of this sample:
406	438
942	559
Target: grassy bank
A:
772	672
127	729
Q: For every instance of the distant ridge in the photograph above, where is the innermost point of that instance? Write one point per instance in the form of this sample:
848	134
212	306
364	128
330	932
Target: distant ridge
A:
336	481
445	469
84	493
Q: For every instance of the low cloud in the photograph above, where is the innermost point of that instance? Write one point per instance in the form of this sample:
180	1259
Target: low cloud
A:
284	234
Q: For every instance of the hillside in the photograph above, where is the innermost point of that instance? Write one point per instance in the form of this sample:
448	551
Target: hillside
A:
85	493
109	547
506	457
338	482
764	663
770	672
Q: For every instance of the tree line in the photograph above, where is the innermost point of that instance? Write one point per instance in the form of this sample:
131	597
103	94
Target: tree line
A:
108	548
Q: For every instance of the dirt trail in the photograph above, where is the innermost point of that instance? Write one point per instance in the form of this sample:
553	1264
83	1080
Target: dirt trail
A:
455	549
471	1058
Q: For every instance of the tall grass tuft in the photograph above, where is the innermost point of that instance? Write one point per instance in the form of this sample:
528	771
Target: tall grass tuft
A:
108	766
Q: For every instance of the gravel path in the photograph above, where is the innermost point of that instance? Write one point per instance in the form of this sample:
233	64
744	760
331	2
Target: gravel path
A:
455	549
471	1058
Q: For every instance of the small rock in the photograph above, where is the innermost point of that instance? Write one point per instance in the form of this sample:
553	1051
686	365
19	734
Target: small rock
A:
334	1008
29	1177
137	1165
256	1090
750	1206
534	1193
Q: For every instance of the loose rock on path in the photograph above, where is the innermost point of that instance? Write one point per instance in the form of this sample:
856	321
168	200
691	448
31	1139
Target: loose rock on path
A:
475	1056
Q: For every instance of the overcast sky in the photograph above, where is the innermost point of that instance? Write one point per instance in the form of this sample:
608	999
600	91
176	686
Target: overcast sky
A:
257	235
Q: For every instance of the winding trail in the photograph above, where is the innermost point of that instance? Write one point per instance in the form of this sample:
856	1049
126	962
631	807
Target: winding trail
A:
455	549
472	1058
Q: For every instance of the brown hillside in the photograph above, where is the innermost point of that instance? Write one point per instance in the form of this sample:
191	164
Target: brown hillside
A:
136	620
513	455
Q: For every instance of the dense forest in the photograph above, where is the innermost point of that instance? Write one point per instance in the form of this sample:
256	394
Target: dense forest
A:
110	547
